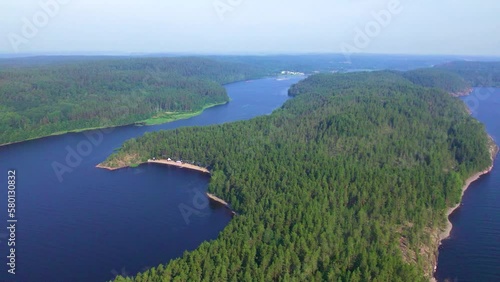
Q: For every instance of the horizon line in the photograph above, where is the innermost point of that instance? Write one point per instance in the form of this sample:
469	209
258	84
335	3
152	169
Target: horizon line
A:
262	54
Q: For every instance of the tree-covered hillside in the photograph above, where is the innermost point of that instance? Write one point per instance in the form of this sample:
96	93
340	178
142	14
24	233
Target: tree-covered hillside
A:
345	182
459	77
42	99
477	74
439	78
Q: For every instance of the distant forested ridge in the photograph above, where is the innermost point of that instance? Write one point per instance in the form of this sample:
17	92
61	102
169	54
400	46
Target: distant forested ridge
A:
346	182
458	78
477	74
40	96
40	99
440	78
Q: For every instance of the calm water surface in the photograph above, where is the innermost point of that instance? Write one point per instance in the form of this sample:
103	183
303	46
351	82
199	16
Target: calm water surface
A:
95	224
473	251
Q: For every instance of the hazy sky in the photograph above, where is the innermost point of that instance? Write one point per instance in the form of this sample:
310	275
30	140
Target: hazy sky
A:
251	26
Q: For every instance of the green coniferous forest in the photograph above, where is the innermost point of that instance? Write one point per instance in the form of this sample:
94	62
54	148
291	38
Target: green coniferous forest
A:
347	181
41	99
43	96
439	78
477	74
457	77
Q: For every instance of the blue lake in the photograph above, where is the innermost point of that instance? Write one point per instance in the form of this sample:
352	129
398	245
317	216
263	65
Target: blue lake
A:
472	253
89	224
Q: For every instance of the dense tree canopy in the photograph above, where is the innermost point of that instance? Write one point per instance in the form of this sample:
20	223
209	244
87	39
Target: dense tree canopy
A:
42	99
439	78
45	95
478	74
345	182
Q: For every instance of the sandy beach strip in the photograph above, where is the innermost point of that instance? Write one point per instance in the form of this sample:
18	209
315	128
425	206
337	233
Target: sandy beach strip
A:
165	162
217	199
181	165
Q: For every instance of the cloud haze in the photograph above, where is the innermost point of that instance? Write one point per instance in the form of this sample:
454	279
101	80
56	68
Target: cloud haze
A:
244	26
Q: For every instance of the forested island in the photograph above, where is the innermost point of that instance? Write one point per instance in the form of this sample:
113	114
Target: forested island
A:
349	181
41	97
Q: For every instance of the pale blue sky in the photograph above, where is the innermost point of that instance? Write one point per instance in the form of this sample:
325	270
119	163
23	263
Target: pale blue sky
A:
251	26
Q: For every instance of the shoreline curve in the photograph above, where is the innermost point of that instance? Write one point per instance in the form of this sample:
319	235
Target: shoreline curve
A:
181	165
165	162
446	233
211	197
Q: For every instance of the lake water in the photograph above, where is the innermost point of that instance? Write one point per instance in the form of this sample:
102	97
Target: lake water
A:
95	224
89	224
473	251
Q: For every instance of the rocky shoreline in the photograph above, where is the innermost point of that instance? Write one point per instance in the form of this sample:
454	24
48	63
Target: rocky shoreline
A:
445	234
216	199
462	93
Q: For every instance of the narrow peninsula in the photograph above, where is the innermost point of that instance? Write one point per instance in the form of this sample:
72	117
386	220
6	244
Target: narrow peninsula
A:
347	181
